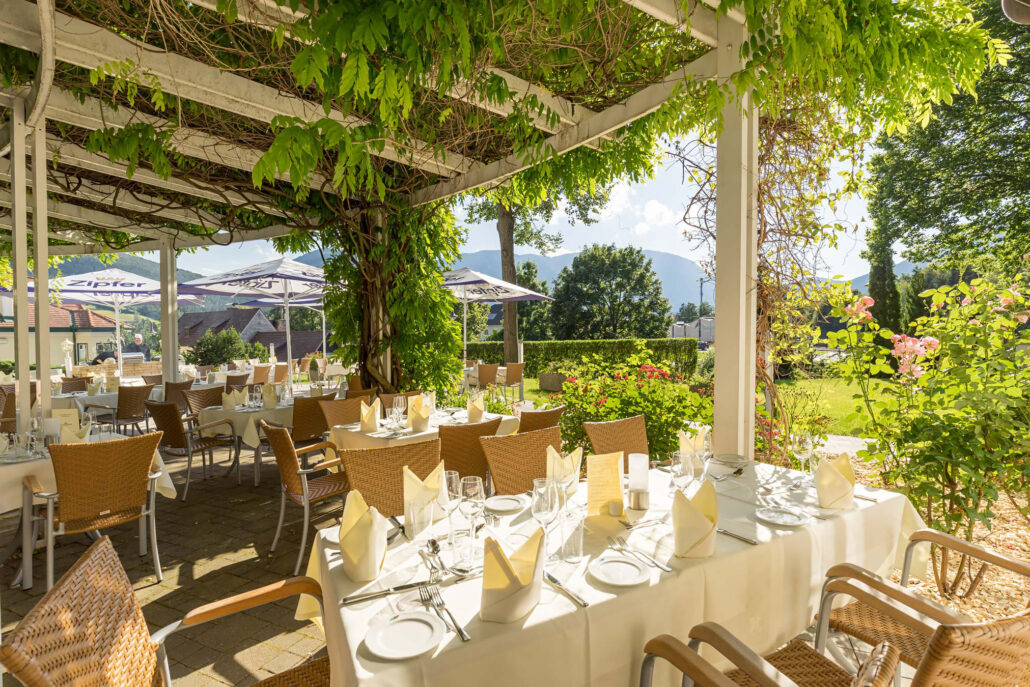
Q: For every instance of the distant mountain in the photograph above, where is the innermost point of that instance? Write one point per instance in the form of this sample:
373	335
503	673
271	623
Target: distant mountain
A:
901	269
81	264
679	275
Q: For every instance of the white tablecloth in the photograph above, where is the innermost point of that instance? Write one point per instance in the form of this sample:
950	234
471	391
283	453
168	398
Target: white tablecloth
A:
246	421
11	475
766	594
350	436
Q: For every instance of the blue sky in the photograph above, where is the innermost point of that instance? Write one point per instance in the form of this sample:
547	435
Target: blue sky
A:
646	215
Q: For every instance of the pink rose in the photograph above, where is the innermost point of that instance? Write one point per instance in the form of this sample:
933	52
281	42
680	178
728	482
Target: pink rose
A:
931	343
967	300
867	301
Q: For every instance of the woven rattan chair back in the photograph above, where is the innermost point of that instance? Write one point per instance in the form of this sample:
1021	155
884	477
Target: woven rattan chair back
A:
153	380
513	374
261	373
69	386
237	381
168	419
486	375
285	456
628	435
87	631
517	459
532	420
341	412
991	654
365	394
460	448
102	483
377	472
354	383
305	365
198	399
308	420
9	389
9	416
173	393
204	370
132	400
386	400
282	371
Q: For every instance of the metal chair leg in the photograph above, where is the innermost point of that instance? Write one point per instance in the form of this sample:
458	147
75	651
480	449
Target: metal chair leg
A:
647	670
189	474
28	539
257	465
49	544
303	538
152	518
282	516
143	532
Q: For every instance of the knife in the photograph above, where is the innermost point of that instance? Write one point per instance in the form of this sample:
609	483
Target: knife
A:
568	592
358	598
741	537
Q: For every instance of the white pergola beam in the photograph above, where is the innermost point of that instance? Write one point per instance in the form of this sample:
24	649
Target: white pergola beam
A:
700	21
41	267
638	105
79	214
89	46
169	313
20	263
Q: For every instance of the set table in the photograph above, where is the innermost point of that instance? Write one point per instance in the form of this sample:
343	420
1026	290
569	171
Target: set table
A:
351	436
766	593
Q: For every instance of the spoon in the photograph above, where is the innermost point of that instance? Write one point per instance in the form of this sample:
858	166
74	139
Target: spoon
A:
736	473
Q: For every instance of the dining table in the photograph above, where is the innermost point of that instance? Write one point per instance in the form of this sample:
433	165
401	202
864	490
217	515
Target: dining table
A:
350	436
246	419
79	399
762	583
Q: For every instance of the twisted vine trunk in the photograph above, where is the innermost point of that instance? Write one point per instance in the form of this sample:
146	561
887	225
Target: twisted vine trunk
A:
378	366
506	234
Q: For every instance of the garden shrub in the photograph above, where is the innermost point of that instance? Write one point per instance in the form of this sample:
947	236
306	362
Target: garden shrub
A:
679	354
217	349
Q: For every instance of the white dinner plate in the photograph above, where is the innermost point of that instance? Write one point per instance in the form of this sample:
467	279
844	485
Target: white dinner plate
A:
782	517
619	571
405	635
506	503
14	456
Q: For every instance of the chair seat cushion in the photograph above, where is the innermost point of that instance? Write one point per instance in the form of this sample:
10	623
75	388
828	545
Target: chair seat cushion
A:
323	487
98	523
311	674
867	624
802	664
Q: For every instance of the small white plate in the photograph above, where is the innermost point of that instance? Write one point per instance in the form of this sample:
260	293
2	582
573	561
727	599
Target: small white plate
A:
506	503
619	571
782	517
405	635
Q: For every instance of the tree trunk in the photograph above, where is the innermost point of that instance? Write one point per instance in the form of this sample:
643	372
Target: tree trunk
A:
379	369
506	233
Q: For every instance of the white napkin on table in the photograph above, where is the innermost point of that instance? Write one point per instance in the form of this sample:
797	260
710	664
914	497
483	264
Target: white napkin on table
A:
511	585
4	443
76	435
55	388
370	417
315	390
560	467
268	398
418	414
93	389
476	408
362	539
233	399
419	494
6	378
835	482
694	521
692	444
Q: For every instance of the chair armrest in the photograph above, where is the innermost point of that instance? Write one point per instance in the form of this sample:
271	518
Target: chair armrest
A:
325	464
256	597
687	661
87	406
888	606
31	484
215	423
968	548
154	475
320	446
739	654
940	613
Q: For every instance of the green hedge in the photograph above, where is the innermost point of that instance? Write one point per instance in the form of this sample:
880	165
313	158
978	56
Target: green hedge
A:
680	353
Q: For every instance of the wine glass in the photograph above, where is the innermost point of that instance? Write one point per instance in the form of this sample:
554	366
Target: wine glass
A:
545	503
803	452
452	490
400	404
473	500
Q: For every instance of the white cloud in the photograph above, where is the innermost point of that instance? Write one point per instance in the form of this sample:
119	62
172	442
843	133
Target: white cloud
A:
657	213
618	201
641	228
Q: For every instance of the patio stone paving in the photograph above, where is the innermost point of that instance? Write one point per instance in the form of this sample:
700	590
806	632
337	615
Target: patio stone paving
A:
214	545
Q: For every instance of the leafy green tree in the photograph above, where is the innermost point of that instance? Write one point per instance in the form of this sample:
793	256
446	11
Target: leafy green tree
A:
301	319
609	293
883	287
534	316
687	312
956	191
912	305
478	314
217	349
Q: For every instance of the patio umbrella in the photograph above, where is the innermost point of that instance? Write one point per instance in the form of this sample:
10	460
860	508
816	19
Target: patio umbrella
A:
114	288
311	304
469	286
282	280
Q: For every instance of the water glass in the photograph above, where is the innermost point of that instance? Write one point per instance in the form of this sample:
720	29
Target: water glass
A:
400	405
572	547
452	490
546	499
418	518
473	500
803	453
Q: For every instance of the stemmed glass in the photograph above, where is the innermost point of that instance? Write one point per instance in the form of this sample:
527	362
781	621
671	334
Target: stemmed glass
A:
473	500
546	500
400	404
452	490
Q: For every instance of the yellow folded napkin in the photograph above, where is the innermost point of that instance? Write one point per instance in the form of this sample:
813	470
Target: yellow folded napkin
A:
55	388
604	484
315	390
693	444
268	398
694	521
362	539
76	435
93	389
4	443
511	586
421	494
560	468
233	399
418	414
370	417
476	408
835	482
111	384
6	378
211	378
68	417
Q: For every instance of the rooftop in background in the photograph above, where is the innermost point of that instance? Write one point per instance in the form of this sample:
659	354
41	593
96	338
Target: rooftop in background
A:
62	317
246	321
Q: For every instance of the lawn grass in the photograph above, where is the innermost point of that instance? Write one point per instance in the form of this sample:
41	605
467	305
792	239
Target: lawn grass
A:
833	398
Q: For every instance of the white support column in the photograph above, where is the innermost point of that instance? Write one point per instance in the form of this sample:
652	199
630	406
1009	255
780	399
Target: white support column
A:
20	260
41	265
169	314
736	249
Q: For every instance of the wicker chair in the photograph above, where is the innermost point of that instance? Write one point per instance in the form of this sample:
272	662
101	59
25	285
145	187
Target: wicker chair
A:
237	381
354	383
261	373
309	427
386	400
9	416
296	487
486	375
532	420
182	438
795	665
869	623
198	399
153	380
281	374
366	394
628	435
204	370
174	394
377	472
130	411
517	459
460	448
341	412
99	485
71	385
103	636
513	379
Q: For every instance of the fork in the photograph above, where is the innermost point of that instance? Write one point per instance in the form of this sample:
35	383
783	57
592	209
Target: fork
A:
620	544
438	604
426	597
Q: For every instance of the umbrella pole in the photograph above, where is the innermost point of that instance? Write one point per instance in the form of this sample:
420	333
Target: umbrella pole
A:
325	351
289	345
118	332
464	332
